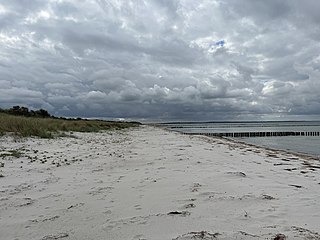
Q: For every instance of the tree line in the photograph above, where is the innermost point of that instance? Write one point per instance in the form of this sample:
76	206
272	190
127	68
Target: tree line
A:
24	111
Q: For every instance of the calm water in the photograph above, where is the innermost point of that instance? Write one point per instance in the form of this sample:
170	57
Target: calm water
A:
309	144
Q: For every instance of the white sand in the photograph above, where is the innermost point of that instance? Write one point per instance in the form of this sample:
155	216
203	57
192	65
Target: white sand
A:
125	185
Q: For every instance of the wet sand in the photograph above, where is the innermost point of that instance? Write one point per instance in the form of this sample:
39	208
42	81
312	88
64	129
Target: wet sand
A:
148	183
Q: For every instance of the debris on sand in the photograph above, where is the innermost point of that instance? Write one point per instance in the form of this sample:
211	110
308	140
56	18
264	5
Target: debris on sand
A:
198	235
190	205
267	197
182	213
248	234
306	233
280	236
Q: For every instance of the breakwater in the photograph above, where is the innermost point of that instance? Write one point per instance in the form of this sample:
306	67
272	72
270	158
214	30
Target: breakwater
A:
256	134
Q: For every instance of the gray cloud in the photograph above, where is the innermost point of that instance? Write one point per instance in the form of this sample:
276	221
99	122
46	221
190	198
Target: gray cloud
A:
159	59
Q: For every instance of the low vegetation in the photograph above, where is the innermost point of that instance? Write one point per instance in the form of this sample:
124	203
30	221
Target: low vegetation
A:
11	153
46	126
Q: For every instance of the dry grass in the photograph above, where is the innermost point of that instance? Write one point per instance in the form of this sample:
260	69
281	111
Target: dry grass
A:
49	127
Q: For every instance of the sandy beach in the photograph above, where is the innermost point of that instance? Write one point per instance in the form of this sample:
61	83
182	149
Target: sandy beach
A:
149	183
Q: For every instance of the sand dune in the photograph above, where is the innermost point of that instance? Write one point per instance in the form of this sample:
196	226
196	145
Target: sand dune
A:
148	183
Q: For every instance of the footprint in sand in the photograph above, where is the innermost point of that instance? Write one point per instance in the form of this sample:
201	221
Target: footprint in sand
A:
239	174
138	207
99	190
118	224
77	205
189	205
45	219
195	187
139	237
56	236
107	212
24	202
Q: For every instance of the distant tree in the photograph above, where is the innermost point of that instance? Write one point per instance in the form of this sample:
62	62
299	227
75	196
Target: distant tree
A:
17	110
24	111
42	113
32	113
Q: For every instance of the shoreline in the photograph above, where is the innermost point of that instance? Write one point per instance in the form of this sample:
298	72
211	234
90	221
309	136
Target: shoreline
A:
239	141
284	151
150	183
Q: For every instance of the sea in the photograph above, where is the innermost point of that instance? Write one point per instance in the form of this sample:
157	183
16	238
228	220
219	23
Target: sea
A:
297	144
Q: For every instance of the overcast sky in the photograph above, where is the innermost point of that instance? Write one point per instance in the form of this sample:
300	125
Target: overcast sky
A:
162	59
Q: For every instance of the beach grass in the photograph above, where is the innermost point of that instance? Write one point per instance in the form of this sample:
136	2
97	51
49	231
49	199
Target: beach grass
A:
50	127
12	153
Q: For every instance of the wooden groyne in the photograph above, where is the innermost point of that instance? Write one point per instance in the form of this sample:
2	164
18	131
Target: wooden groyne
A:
257	134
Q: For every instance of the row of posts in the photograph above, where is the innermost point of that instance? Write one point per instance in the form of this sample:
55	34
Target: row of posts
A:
257	134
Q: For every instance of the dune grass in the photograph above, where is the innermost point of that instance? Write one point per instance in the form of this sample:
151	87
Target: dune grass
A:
50	127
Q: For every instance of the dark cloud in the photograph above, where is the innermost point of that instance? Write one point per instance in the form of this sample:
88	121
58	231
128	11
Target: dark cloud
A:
161	59
272	10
